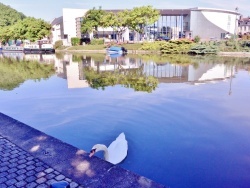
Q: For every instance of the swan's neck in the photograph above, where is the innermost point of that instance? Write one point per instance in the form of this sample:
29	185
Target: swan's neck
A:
103	148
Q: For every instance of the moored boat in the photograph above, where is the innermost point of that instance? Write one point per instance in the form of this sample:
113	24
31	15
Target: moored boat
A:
116	50
34	49
40	47
12	49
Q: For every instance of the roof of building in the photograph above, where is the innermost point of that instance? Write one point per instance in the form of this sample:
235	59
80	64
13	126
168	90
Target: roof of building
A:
57	21
245	19
174	12
215	10
178	12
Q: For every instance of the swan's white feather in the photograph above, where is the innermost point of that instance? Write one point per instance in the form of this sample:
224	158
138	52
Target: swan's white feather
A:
118	149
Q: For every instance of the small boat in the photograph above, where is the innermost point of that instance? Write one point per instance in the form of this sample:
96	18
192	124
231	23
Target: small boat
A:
12	49
40	47
116	50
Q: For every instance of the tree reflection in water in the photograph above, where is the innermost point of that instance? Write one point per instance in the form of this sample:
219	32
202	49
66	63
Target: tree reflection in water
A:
129	78
14	72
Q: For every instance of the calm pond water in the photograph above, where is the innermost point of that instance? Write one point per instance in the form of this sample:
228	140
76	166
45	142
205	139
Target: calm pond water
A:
186	119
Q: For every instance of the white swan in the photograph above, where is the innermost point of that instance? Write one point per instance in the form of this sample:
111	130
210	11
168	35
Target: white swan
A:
116	151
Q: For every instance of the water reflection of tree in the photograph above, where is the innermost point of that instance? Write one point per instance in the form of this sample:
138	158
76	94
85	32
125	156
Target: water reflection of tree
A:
14	72
129	78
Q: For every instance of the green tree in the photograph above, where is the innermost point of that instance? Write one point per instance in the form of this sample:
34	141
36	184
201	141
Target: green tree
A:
33	29
9	16
118	21
5	34
91	20
141	17
28	28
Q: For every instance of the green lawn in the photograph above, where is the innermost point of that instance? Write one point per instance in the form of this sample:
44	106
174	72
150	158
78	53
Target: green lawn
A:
134	46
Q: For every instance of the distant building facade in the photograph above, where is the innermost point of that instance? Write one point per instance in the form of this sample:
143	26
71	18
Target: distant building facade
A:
244	26
57	29
206	23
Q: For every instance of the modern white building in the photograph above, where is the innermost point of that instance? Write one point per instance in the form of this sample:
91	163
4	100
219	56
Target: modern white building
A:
65	27
57	29
207	23
210	23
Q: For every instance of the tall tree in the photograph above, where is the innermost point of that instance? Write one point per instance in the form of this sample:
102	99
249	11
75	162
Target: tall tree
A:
118	21
9	16
91	20
33	29
141	17
30	28
5	34
15	25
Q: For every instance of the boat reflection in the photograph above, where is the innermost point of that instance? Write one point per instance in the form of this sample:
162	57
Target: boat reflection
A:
49	58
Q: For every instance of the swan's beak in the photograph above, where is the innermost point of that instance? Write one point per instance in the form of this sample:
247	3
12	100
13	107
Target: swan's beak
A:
92	152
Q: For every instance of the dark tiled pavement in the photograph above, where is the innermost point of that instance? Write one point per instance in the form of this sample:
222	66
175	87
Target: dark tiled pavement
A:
30	158
18	168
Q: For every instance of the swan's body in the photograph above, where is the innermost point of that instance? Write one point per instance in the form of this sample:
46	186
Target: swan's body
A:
116	151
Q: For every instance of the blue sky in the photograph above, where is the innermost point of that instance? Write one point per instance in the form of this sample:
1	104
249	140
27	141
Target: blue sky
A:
50	9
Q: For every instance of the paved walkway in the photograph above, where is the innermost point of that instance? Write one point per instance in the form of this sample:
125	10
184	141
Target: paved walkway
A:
30	158
18	168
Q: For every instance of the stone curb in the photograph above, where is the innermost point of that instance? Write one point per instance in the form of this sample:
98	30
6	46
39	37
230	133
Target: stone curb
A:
67	160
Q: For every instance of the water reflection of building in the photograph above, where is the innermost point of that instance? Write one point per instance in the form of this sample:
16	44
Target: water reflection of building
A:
72	71
71	68
210	72
174	73
165	72
73	76
114	63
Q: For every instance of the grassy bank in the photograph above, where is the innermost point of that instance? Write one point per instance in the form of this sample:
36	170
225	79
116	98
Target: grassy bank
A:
135	46
183	46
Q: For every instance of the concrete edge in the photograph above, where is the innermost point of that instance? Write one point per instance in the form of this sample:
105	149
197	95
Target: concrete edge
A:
69	160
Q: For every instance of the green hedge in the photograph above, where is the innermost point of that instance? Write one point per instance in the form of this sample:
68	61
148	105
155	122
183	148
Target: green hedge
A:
97	41
181	46
58	44
75	41
151	46
203	49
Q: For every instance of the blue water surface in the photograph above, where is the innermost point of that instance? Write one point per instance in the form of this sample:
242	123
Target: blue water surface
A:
180	135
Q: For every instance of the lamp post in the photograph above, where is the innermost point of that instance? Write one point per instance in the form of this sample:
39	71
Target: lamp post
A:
236	24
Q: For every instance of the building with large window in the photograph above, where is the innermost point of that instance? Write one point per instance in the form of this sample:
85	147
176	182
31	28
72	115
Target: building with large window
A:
207	23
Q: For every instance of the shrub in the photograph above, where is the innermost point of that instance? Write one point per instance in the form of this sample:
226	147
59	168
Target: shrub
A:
97	41
181	46
75	41
203	49
197	39
58	44
151	45
246	37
